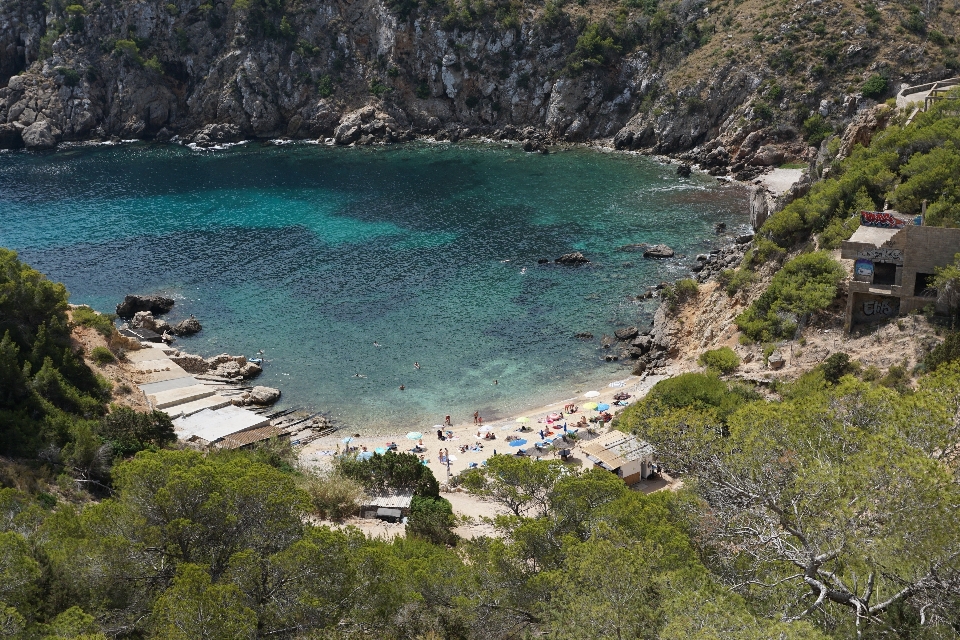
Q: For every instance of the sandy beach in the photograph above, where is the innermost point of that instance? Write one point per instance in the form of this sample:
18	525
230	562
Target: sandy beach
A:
320	453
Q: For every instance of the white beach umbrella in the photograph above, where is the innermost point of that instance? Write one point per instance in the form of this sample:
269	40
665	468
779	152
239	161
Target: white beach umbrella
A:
591	394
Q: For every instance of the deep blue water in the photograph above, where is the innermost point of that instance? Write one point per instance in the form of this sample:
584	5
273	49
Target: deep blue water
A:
313	253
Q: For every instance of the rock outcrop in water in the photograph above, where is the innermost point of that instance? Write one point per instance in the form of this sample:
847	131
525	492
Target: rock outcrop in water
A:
186	327
366	71
572	259
154	304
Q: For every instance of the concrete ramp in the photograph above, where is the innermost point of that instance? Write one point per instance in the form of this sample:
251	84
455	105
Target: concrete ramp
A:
190	408
181	395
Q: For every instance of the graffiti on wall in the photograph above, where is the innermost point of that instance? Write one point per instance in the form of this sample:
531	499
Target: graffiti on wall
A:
863	269
870	308
881	219
881	254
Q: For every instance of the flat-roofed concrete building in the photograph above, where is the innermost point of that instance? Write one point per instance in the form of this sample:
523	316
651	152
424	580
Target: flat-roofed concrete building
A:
895	261
621	453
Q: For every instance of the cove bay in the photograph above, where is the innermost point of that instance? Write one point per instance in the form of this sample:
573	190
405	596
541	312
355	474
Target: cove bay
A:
313	254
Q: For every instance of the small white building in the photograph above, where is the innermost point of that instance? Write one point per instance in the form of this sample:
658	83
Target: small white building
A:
623	454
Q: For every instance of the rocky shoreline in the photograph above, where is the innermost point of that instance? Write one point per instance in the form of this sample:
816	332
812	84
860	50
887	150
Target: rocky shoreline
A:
139	312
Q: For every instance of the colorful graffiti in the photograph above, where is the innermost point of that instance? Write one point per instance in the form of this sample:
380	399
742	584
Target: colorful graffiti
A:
881	219
863	269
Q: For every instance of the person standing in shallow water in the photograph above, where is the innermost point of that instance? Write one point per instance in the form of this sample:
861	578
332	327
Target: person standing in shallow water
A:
476	416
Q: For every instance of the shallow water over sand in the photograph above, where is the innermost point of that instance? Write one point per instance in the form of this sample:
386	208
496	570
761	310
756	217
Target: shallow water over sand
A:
313	254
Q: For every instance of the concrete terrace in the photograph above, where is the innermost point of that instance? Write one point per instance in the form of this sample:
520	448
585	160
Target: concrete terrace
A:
200	415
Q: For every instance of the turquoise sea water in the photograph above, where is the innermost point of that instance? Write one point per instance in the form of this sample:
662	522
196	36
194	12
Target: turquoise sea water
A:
313	253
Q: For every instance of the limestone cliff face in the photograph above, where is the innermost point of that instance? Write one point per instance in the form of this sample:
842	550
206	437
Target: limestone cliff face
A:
305	68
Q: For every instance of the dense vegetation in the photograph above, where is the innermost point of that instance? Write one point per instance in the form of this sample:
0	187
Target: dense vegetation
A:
834	503
903	165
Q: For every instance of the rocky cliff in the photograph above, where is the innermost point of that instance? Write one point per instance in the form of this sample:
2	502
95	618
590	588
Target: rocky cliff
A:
729	86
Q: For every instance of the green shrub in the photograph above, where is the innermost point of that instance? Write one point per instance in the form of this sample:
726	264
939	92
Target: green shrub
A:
835	367
733	280
391	471
595	47
724	360
432	519
71	77
838	230
806	284
874	87
333	495
762	111
102	356
945	352
423	91
153	65
679	292
87	317
377	88
325	86
130	431
700	391
816	129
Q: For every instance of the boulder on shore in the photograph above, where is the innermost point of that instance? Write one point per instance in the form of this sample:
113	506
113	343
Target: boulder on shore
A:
575	258
259	396
154	304
187	327
658	251
145	320
626	333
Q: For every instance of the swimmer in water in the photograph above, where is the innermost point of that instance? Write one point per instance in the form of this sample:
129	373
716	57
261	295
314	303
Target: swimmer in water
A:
416	365
376	344
359	376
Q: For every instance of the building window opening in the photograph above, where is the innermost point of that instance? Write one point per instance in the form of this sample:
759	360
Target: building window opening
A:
884	273
924	286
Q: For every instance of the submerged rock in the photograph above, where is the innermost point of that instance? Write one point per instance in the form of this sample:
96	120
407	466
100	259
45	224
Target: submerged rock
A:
575	258
658	251
154	304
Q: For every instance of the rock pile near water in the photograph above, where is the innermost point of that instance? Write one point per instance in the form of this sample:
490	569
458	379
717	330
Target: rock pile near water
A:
221	366
710	265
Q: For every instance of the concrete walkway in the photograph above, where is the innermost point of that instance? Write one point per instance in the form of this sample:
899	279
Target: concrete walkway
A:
920	92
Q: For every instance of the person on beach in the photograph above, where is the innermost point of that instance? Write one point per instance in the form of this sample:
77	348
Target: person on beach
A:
476	416
447	422
480	420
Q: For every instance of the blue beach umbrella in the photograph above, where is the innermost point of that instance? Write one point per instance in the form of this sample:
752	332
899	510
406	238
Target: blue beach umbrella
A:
602	407
347	440
414	435
366	455
518	443
380	450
